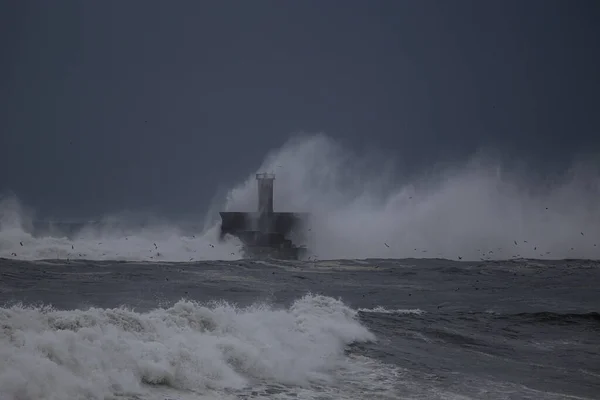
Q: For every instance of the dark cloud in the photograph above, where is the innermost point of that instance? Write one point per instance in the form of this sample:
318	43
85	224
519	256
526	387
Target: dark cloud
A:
147	104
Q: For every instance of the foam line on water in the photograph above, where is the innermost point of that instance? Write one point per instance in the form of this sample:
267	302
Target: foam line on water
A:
383	310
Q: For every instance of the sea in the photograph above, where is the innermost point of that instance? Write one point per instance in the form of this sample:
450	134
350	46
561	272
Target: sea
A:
472	282
321	329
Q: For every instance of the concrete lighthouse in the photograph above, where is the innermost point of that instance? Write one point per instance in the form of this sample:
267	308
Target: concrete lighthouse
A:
266	233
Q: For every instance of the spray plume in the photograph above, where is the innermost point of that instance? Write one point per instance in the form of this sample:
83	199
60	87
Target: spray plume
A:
477	210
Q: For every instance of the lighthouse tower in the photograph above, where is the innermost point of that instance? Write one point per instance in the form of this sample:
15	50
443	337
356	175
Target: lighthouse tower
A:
266	231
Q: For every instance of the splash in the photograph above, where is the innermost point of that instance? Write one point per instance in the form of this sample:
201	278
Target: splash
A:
191	347
475	211
360	209
115	237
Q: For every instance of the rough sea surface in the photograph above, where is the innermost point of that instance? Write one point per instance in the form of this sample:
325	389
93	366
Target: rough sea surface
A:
369	329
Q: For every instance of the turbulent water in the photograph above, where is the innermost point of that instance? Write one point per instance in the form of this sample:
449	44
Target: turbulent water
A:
125	307
371	329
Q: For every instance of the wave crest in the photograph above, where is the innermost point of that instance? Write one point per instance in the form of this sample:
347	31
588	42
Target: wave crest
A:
99	353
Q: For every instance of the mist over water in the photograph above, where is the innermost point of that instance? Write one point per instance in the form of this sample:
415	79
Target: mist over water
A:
360	209
122	237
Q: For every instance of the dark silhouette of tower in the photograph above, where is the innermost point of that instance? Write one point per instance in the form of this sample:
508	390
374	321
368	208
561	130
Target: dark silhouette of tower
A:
265	193
266	232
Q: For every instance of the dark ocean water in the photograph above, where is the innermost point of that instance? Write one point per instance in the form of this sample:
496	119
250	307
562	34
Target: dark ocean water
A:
371	329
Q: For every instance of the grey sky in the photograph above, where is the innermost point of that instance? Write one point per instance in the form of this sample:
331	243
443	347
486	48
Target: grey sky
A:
130	104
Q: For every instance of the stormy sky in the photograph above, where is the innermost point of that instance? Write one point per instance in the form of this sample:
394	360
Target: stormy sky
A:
112	105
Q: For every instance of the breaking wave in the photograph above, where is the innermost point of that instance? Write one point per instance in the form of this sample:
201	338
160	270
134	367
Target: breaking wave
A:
200	348
119	237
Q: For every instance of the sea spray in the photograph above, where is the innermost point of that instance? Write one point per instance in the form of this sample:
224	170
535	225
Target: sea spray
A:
472	211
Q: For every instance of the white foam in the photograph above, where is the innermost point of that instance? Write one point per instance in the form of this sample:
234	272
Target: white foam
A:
100	353
383	310
111	240
474	210
360	210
